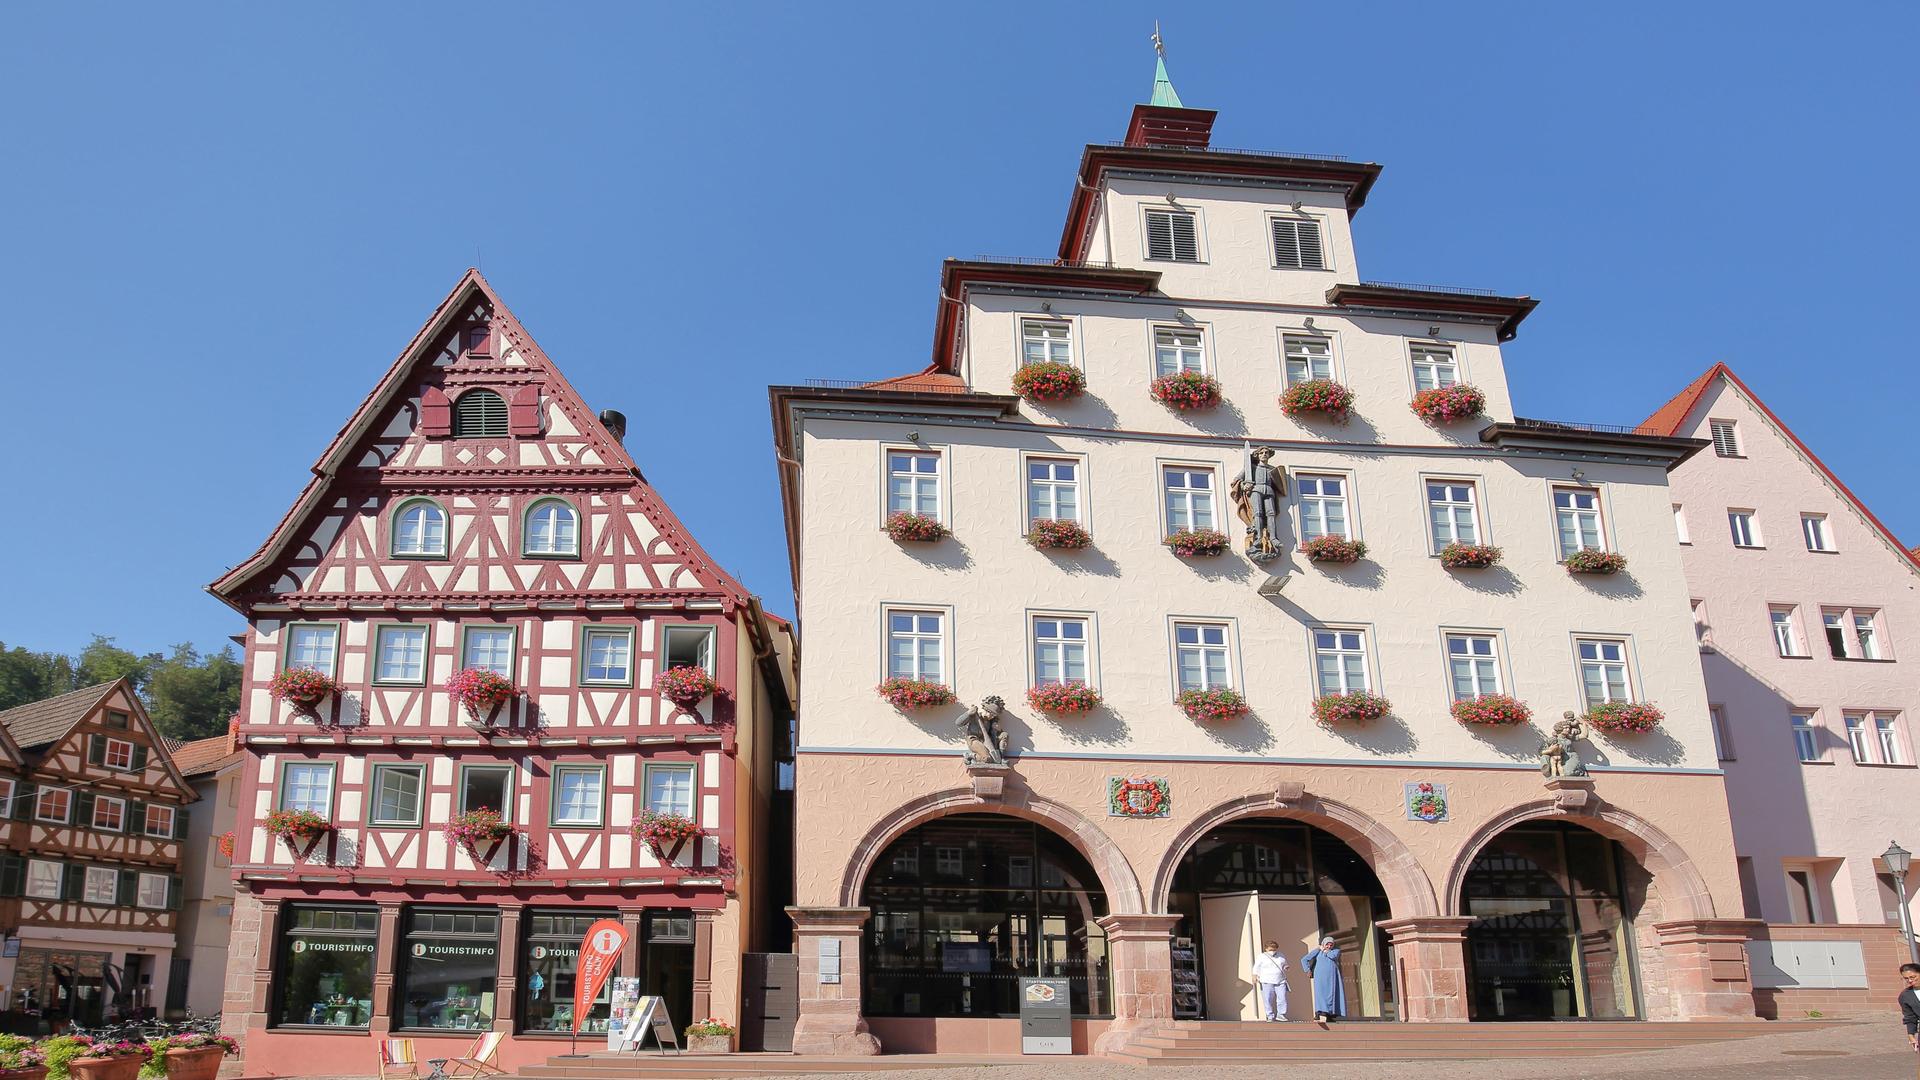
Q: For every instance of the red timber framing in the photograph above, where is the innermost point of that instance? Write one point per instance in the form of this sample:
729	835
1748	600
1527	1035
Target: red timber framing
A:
522	538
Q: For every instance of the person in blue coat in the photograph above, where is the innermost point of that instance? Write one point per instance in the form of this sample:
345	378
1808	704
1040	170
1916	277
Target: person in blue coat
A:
1329	993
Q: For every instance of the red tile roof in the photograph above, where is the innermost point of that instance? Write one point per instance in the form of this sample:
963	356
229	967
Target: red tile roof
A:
1666	420
206	756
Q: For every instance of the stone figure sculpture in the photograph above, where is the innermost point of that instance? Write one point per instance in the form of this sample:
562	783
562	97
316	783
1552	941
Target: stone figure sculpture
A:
1256	495
986	740
1559	756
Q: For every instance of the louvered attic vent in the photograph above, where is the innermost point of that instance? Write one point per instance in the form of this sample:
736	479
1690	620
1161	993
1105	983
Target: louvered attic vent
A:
1296	245
1171	236
480	414
1725	443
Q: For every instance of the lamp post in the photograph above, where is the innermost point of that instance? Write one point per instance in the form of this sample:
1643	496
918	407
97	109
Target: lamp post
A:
1898	859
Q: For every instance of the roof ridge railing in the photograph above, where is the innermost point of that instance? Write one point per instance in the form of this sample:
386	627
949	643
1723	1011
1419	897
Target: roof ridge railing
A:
1338	158
1597	429
1032	260
887	384
1458	290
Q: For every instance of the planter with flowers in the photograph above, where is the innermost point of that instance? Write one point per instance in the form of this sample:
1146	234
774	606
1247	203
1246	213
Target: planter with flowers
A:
1324	396
300	829
905	694
1048	380
1334	549
1459	556
479	831
194	1056
664	832
1058	534
1492	710
1448	404
1064	699
710	1036
225	845
481	692
908	528
1198	543
1595	561
20	1059
1212	706
1186	390
59	1051
1352	707
685	685
302	687
103	1060
1625	717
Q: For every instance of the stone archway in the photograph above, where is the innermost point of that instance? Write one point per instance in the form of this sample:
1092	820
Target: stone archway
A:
1683	891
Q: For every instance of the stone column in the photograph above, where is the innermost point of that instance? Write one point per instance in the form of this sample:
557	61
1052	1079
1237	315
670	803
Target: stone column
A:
506	982
702	966
830	1018
1430	964
1140	966
630	952
267	942
1706	963
385	947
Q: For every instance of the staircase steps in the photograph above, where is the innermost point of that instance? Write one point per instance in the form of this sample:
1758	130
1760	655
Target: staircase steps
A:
656	1066
1191	1042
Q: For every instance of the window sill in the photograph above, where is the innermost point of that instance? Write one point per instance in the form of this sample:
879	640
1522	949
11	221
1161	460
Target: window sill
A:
1866	659
380	684
395	825
421	556
1750	547
1822	761
552	555
321	1029
1885	765
1822	551
1793	656
628	685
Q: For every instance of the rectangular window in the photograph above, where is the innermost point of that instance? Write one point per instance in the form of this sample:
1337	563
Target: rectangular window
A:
1046	341
1175	351
1814	528
152	892
1603	670
1785	638
44	878
551	961
1188	498
1296	244
307	785
1801	901
396	795
1722	734
326	967
1680	524
159	820
670	789
1434	367
913	483
606	655
1172	235
1835	624
449	960
1451	511
1053	490
53	804
1725	442
103	884
109	814
1864	635
1307	358
401	654
1340	660
1888	732
916	645
1323	506
1200	656
119	754
311	646
1746	530
1857	738
1576	515
486	787
690	646
1473	662
1059	650
576	794
1806	744
489	648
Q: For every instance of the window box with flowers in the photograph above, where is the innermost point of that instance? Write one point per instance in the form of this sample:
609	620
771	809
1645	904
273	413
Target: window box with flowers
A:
1595	561
1058	534
225	844
305	687
1212	706
710	1036
664	832
1048	380
1064	699
1334	549
1324	396
1198	543
1625	717
481	692
1352	707
1447	404
1459	556
905	694
909	528
685	685
1187	390
194	1056
295	826
1492	710
478	830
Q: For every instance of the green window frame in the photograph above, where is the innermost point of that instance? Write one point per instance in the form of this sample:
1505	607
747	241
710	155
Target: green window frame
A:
689	630
513	645
506	787
380	631
527	550
283	788
286	649
599	817
584	658
393	529
375	790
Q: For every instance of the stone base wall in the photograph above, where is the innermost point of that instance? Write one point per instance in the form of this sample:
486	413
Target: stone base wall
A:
1884	951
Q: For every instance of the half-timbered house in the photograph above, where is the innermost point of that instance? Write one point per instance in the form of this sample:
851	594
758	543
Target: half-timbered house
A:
475	515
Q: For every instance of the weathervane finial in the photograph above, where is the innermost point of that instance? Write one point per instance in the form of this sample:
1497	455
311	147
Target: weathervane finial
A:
1159	45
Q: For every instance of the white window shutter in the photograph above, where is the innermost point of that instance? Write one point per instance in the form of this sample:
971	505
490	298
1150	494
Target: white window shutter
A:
1725	443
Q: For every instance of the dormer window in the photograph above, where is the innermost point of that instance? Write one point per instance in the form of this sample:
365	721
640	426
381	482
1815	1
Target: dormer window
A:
552	529
1296	244
420	528
1173	235
480	414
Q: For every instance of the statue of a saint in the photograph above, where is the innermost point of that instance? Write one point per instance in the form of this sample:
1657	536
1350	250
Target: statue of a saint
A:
1559	756
1256	495
986	740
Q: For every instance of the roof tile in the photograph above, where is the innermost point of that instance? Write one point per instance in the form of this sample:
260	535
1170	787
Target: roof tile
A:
44	722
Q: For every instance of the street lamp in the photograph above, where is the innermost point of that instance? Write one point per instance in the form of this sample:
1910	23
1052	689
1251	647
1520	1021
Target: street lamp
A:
1897	859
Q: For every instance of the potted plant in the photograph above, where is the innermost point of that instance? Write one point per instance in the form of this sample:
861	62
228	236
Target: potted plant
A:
1446	404
194	1056
1323	396
909	528
1595	561
473	829
1068	698
296	825
20	1059
1625	717
1184	390
103	1060
1492	710
906	694
710	1036
1459	556
303	686
663	831
1059	534
1334	549
225	845
1352	707
1198	543
480	691
1048	380
1211	706
685	685
59	1051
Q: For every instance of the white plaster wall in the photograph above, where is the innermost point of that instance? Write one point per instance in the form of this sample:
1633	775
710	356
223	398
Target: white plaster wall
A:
1236	255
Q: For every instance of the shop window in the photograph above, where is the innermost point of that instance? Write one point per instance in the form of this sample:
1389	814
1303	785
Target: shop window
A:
551	956
449	958
326	967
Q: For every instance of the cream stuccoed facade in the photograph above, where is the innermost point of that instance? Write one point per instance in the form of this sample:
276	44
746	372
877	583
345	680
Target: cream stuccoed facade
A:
1259	814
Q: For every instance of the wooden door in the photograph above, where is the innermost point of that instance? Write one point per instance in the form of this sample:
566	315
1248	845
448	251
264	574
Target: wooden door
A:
769	1001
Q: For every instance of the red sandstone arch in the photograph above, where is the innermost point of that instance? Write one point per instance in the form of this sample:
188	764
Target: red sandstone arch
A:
1116	875
1409	891
1683	892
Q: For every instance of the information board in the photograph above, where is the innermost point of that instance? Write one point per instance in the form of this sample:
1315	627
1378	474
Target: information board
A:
1186	979
626	995
649	1014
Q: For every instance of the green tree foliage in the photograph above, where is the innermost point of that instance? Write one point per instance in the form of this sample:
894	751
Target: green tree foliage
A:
102	662
190	695
27	676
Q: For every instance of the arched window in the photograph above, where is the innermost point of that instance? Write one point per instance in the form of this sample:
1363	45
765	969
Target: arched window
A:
480	414
419	528
552	528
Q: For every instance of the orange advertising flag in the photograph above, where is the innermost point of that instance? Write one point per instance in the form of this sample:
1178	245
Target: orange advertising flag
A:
599	952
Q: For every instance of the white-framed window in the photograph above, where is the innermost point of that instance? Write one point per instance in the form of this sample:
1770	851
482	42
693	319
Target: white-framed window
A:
486	787
419	528
400	654
1886	729
1835	625
44	879
53	804
1813	527
102	885
488	648
670	789
1053	489
1473	665
913	482
152	892
1434	367
917	645
577	795
1060	647
1340	660
1603	670
1786	637
1177	349
1806	741
1857	737
312	645
606	655
1865	635
1680	524
118	754
1297	244
552	528
1860	626
1173	235
1201	659
1306	358
1187	494
396	795
1046	341
159	820
688	646
1576	519
307	785
109	813
1453	512
1323	505
1745	527
1726	442
1722	734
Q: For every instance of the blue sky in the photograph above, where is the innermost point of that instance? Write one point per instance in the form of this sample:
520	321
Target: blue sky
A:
222	222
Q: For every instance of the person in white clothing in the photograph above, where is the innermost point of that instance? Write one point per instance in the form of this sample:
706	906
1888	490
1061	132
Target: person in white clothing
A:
1270	971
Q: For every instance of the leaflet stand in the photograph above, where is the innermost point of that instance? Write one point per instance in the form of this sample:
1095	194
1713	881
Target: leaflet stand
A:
650	1014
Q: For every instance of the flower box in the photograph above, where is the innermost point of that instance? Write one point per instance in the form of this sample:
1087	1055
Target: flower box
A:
1459	556
710	1036
1625	717
28	1072
1048	380
1211	706
1072	698
1492	710
480	691
293	825
103	1060
1323	396
1595	561
1184	390
475	828
907	528
1058	534
1198	543
1334	549
665	833
1449	403
225	845
915	693
1352	707
196	1056
302	686
685	685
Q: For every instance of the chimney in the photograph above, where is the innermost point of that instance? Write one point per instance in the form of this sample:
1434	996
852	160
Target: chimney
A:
616	424
1163	120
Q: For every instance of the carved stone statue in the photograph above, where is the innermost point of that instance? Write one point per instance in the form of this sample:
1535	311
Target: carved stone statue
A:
1559	756
1256	495
986	741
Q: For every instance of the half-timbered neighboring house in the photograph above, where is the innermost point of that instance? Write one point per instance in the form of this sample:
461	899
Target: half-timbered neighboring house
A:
89	875
474	515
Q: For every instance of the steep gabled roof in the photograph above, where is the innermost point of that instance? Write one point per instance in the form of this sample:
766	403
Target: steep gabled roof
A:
1668	419
41	723
206	756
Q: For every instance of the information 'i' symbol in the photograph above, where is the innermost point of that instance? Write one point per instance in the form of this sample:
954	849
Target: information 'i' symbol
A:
605	942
